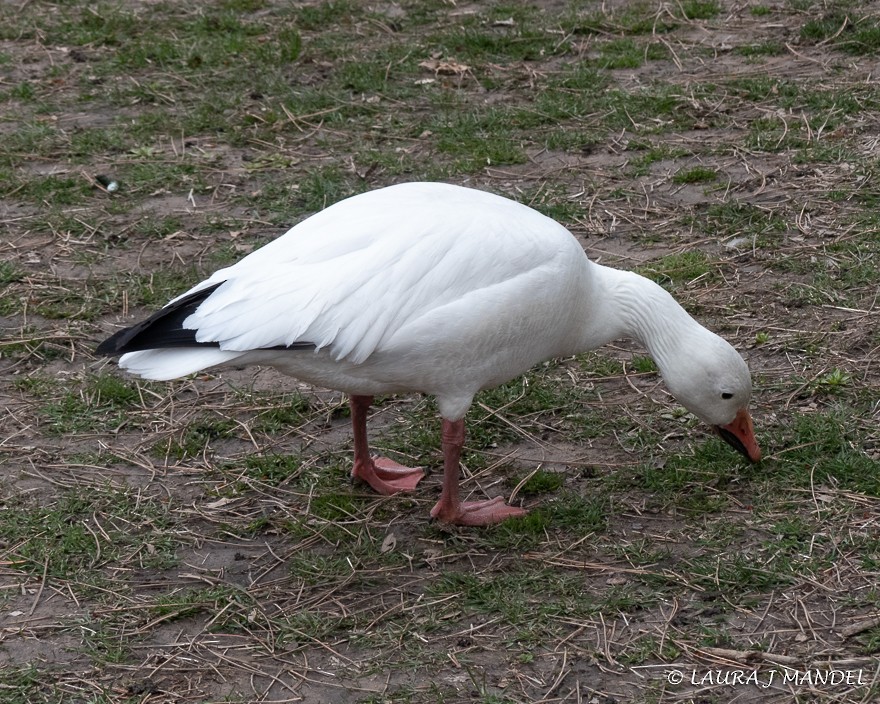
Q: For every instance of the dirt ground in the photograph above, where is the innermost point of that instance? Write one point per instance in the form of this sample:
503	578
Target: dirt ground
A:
144	555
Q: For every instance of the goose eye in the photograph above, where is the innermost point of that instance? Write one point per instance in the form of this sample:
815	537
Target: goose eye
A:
726	395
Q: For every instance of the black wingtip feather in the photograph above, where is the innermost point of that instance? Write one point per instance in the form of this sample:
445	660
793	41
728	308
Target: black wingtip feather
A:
161	330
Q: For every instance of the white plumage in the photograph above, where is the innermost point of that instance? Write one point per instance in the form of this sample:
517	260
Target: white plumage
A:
439	289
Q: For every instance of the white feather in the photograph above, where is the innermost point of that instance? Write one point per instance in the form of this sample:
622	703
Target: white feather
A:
352	276
445	290
163	365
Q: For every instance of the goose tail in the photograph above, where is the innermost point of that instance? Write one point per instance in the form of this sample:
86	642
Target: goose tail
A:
161	348
162	329
171	363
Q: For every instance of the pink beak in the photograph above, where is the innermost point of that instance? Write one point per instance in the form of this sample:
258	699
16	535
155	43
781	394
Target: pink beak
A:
740	435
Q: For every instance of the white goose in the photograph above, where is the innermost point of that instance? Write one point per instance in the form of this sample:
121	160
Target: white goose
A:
438	289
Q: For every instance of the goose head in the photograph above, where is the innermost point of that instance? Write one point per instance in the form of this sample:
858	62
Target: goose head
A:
709	378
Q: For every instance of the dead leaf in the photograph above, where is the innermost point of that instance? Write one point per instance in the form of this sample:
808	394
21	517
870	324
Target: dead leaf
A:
448	67
389	543
432	555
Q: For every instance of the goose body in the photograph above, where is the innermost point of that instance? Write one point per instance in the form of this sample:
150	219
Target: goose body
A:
437	289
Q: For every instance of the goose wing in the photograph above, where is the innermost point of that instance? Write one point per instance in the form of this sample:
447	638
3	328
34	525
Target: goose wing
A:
354	275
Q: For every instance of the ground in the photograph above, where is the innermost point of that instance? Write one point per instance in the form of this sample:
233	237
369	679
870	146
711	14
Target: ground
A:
200	541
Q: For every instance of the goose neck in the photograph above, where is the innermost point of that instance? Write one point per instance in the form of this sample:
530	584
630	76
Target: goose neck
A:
647	313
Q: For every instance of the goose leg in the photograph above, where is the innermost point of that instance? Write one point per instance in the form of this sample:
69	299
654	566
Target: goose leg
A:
384	475
449	508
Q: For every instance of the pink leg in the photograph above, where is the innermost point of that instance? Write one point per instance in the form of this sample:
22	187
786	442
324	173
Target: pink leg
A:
449	508
385	476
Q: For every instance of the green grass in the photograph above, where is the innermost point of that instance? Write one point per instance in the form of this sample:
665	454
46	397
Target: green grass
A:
555	203
282	414
476	139
700	9
9	273
196	439
768	48
821	450
696	174
627	53
59	300
645	154
847	31
79	534
273	469
632	19
677	269
737	219
541	482
99	401
509	596
26	685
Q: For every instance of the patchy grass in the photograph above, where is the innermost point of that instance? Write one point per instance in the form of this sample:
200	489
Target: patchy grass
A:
682	268
201	540
696	174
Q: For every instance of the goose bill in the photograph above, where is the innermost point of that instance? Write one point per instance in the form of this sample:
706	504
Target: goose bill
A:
740	435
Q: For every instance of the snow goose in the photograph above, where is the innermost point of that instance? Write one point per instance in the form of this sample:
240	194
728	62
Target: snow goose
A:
438	289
